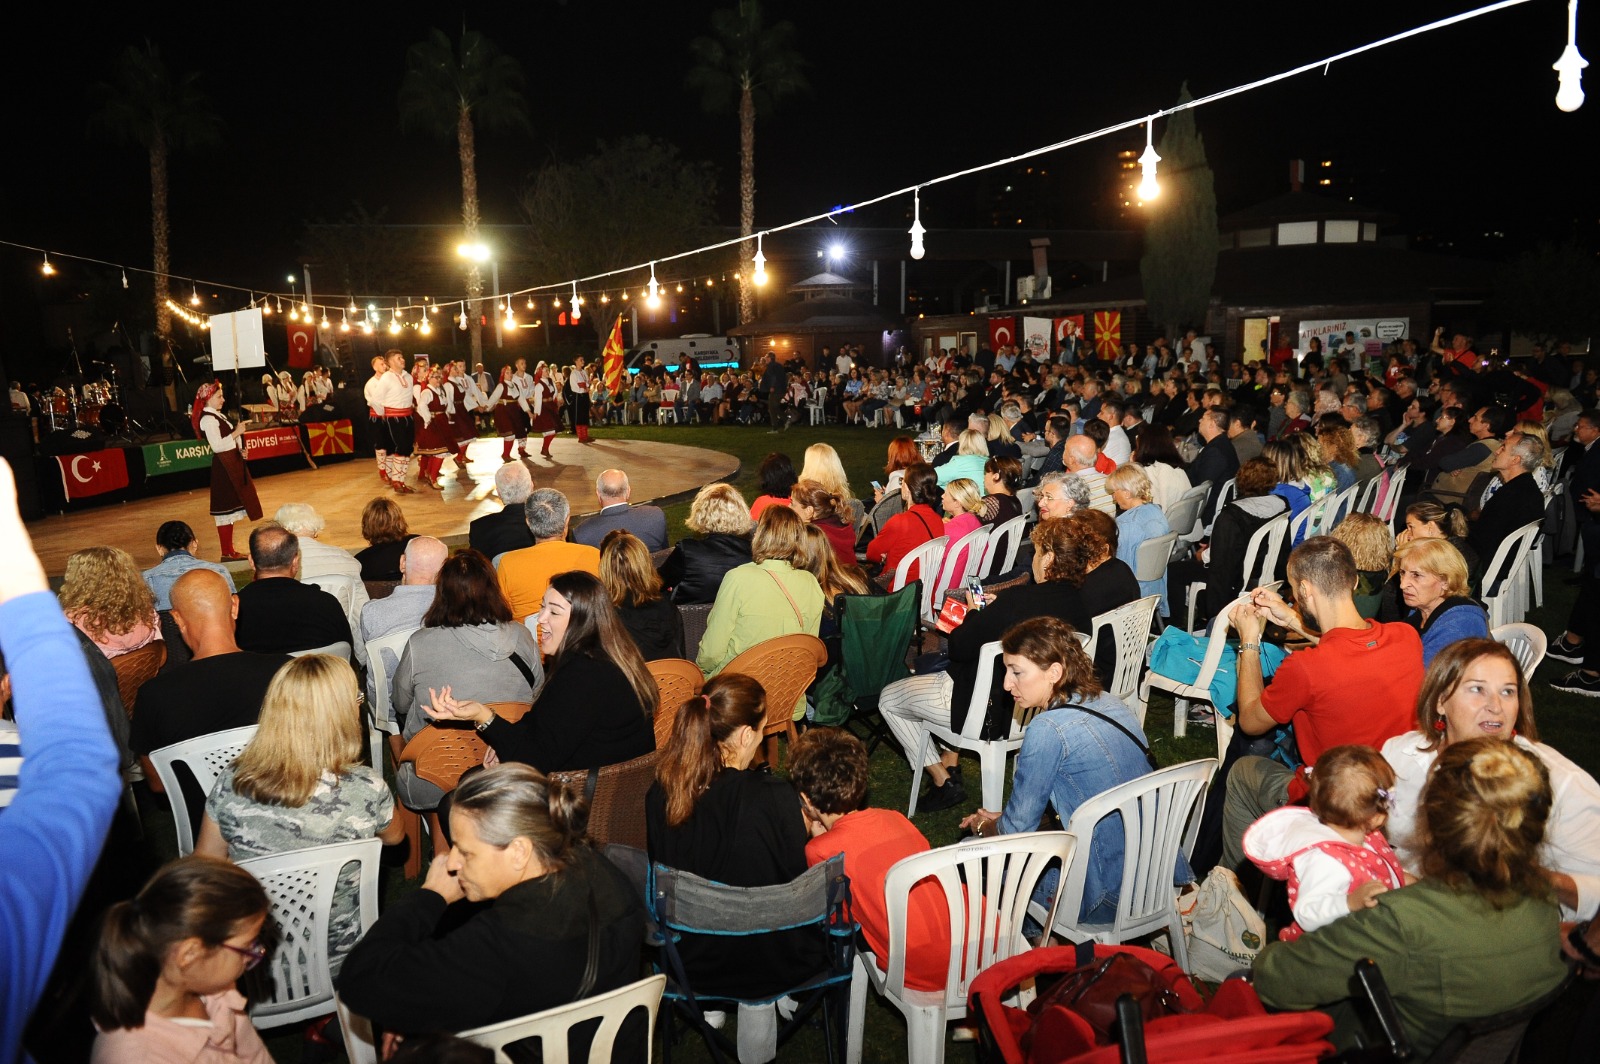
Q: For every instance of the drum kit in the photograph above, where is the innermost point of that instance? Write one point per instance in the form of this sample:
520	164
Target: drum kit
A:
97	405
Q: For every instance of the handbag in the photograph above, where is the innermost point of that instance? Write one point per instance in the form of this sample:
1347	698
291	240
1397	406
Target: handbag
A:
1089	994
1223	931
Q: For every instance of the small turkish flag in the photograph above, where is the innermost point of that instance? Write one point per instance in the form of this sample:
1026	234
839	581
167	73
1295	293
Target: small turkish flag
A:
302	345
95	473
1002	333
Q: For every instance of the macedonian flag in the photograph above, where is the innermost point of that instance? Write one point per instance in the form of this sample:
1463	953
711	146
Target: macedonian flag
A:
330	437
611	358
1107	334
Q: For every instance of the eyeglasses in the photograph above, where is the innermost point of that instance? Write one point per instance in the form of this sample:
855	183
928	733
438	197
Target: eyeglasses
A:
1042	497
253	954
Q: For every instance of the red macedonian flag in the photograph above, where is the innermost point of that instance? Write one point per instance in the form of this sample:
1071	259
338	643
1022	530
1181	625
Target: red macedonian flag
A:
1107	334
330	437
611	358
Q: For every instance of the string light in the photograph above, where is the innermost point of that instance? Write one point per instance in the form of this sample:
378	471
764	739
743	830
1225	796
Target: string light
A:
124	279
577	304
266	308
325	322
1569	97
47	269
394	322
194	296
604	298
280	304
423	327
305	312
917	230
463	316
353	308
624	293
344	322
530	302
366	326
652	293
760	275
511	318
294	315
1149	187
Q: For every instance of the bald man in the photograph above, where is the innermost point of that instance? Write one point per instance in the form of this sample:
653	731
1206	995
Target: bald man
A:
612	489
404	606
220	687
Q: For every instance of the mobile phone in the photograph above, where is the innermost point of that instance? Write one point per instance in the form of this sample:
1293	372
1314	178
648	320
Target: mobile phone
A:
876	486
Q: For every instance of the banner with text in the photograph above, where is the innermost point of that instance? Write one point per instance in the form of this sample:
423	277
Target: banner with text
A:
271	443
94	473
175	456
1036	336
1370	336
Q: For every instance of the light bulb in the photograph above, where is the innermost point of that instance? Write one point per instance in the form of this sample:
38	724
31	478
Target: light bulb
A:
760	260
366	327
124	278
394	326
47	269
294	315
194	295
424	328
344	325
1569	97
353	307
605	298
530	302
325	322
266	309
1149	188
577	304
305	311
652	301
511	319
917	230
624	293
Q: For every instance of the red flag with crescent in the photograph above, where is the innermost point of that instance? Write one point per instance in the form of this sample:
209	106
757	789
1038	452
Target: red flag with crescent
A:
1107	334
94	473
329	437
611	357
302	345
1002	333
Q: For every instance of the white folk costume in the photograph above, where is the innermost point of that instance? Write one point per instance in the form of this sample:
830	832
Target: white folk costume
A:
544	401
233	493
397	403
376	423
578	380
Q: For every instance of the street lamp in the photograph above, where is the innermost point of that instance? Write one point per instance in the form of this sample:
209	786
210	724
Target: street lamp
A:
479	252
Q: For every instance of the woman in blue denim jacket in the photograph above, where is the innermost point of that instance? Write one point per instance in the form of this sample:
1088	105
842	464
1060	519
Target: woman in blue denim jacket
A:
1069	755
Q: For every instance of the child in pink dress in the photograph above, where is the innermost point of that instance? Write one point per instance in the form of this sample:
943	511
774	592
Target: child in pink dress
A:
1333	854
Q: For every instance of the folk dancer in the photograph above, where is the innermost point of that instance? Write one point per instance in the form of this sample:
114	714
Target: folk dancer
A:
375	420
578	381
544	406
399	401
509	404
434	435
233	493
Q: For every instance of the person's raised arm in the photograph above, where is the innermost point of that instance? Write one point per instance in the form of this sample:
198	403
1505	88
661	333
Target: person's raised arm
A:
1253	718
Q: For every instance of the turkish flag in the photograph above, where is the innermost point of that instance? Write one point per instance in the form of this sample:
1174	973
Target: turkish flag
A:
302	344
95	473
1002	333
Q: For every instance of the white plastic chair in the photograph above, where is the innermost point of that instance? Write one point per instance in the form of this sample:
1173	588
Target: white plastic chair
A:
926	558
1305	525
1508	602
1025	497
360	1043
1150	557
351	593
1198	691
552	1026
987	885
1367	498
1260	561
1157	812
1528	642
300	884
1337	508
340	649
383	657
1129	627
969	551
1184	515
1000	552
206	757
991	753
1385	509
1535	573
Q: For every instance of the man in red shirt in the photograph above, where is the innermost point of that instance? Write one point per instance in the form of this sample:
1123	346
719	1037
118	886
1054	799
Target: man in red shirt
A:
1358	683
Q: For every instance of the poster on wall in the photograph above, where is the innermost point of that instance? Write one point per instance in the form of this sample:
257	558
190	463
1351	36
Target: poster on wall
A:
1367	342
1036	336
1069	337
1107	335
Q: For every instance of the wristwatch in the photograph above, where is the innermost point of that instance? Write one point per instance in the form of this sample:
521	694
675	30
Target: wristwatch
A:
1246	646
484	724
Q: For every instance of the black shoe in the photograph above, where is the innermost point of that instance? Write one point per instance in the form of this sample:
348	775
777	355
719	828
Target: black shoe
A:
937	798
1579	683
1564	650
955	771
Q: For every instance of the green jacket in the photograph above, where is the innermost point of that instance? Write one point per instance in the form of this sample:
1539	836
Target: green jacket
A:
1446	955
752	607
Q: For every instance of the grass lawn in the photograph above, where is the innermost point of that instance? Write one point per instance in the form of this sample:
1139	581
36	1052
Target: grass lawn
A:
1565	721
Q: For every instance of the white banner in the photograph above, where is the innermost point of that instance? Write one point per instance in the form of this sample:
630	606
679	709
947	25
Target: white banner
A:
238	340
1036	335
1371	334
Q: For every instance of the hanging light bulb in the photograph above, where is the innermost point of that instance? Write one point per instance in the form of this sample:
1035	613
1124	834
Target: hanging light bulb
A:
1149	187
294	315
366	326
353	308
653	290
305	312
463	316
917	229
124	279
47	269
605	297
280	304
423	327
1569	97
194	296
624	293
511	318
266	308
577	304
530	302
344	322
325	322
760	274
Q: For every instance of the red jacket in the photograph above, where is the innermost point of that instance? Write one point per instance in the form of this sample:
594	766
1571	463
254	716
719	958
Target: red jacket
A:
902	534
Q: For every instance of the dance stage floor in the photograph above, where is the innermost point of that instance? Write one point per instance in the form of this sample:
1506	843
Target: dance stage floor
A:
656	471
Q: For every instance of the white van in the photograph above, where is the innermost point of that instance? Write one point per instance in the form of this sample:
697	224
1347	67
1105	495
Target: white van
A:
711	352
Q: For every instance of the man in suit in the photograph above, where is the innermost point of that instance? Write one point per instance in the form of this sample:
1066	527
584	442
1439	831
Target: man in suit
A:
1217	461
1515	503
649	523
495	534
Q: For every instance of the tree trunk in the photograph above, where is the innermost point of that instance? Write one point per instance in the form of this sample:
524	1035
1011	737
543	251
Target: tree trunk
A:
160	258
469	222
747	201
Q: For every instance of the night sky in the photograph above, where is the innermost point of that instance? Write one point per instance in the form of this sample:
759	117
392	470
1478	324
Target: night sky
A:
1456	131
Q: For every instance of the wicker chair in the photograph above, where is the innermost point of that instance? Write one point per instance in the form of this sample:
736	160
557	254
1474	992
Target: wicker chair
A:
135	667
677	681
442	755
616	802
694	627
784	667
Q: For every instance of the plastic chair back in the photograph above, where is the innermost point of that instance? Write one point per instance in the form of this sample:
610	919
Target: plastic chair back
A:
957	566
987	886
677	681
1155	810
1337	509
339	650
1129	626
1528	642
926	559
694	618
1184	513
1307	522
294	981
616	806
785	667
552	1026
1368	496
1261	553
1507	574
383	658
1000	552
206	757
1151	557
1390	505
441	754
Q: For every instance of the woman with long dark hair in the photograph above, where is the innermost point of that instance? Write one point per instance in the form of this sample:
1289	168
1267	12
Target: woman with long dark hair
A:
778	478
635	589
598	702
1158	455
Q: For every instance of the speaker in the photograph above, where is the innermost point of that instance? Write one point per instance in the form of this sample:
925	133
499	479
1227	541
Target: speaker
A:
16	446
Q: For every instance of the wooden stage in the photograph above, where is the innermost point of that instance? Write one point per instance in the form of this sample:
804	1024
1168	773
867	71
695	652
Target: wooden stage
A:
339	492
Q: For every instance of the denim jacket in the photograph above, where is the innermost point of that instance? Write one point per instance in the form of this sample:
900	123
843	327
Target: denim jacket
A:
1068	757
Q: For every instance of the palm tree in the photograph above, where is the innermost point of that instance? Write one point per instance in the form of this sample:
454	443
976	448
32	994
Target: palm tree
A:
147	106
754	65
447	94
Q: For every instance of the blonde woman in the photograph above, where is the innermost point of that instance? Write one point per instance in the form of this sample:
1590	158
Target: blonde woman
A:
972	451
765	598
822	466
1140	520
1433	583
635	589
696	566
963	514
1372	546
105	596
301	783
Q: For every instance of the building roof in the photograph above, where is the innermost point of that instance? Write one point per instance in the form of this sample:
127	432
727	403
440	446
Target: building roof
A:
1300	207
821	314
